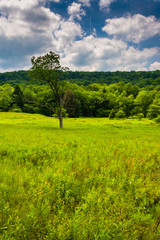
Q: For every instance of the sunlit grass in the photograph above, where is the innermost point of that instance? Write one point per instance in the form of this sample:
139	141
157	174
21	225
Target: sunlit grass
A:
94	179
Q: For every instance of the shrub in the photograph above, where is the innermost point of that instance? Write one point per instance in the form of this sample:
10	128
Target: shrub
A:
140	116
120	114
157	119
15	108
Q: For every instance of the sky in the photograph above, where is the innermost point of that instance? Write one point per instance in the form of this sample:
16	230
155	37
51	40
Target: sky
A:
89	35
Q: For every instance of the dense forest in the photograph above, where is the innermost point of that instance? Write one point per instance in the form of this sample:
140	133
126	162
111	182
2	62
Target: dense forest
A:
141	79
88	94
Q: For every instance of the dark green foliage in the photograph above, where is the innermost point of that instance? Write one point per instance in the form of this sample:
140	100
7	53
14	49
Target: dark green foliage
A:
16	77
72	104
18	97
112	114
102	113
141	79
120	114
157	119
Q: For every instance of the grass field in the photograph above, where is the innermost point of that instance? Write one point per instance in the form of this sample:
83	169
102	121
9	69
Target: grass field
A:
94	179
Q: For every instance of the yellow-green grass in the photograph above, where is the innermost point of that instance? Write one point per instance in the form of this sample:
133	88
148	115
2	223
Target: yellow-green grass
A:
94	179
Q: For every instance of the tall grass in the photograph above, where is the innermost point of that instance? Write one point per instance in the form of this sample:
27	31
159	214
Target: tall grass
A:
94	179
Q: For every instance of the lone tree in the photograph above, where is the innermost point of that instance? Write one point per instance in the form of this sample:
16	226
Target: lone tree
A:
47	69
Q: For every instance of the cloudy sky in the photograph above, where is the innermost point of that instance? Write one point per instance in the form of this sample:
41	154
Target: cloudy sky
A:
89	35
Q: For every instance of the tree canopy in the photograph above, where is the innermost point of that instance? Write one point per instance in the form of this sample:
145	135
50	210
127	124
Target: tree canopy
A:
47	69
141	79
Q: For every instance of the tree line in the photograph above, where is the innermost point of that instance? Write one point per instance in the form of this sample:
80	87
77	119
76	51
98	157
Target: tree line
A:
118	100
149	79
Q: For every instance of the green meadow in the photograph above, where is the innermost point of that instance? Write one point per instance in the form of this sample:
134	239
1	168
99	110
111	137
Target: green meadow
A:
95	179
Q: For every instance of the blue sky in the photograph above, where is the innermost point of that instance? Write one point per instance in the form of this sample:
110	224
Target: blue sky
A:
89	35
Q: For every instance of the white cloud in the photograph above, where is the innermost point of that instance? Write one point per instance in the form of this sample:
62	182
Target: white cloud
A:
103	54
75	11
55	1
85	2
155	66
105	3
134	28
21	20
22	4
66	34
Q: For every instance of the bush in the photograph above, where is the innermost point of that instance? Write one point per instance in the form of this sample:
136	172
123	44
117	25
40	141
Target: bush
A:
28	108
157	119
140	116
15	108
120	114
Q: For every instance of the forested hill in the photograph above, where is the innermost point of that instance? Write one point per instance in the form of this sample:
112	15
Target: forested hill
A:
141	78
13	78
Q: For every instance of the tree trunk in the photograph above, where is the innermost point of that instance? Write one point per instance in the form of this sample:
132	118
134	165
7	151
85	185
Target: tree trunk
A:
60	117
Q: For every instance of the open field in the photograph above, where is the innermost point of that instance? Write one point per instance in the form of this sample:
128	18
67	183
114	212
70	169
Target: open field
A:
94	179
